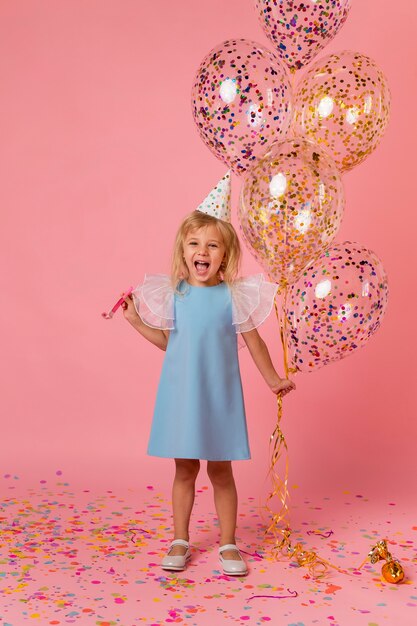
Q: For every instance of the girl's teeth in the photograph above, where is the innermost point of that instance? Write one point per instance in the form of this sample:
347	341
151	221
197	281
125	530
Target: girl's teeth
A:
201	267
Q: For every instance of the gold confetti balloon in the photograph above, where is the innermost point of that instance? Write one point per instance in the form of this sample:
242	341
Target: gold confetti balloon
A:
343	104
393	572
291	206
333	309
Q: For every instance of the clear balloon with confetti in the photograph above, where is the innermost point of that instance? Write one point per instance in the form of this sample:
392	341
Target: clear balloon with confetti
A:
300	30
241	101
291	206
343	104
335	307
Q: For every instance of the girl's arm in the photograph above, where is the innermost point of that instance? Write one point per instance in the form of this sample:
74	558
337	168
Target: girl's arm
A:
158	337
260	354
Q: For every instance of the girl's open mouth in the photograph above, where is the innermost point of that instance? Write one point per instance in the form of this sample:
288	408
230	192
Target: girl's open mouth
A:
201	266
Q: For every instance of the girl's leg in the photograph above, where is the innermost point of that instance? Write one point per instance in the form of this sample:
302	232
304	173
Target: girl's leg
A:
225	499
183	492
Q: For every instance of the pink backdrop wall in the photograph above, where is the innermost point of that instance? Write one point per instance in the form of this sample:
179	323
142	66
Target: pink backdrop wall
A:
99	161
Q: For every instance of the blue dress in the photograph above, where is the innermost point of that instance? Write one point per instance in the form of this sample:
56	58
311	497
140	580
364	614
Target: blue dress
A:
199	410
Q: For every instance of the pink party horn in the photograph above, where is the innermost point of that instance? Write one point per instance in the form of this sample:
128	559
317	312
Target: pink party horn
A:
109	315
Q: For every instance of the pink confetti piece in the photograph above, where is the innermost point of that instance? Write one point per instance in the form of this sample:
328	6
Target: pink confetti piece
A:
133	530
253	554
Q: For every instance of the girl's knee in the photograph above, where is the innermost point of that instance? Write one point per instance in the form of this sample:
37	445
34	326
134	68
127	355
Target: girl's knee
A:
220	472
187	469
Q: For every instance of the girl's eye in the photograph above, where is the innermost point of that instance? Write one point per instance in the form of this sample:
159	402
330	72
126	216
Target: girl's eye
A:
195	243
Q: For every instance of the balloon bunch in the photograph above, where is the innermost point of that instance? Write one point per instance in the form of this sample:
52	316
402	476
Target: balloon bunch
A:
392	570
243	98
291	141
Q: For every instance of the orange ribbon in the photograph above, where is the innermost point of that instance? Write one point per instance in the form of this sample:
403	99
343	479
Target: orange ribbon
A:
279	486
279	525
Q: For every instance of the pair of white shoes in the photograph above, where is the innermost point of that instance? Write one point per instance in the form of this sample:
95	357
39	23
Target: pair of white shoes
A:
179	562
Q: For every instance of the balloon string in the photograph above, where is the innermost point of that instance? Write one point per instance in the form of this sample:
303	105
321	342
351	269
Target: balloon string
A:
278	447
279	525
282	323
283	329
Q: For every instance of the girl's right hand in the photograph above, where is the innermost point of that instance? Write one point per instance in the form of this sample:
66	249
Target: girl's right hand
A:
128	308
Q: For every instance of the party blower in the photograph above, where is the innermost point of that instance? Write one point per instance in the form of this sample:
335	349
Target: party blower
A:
109	315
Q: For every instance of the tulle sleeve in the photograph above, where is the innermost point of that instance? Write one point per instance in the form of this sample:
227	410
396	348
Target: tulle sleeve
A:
154	301
252	301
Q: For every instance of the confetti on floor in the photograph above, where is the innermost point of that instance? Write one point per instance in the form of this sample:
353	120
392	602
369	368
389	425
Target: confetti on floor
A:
80	556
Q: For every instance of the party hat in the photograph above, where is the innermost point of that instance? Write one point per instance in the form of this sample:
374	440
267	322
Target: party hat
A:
217	203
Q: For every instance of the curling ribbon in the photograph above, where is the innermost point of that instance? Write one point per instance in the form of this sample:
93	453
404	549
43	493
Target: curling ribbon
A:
292	594
279	486
279	525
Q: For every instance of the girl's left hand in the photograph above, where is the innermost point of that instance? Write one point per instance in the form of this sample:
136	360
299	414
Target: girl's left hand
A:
283	387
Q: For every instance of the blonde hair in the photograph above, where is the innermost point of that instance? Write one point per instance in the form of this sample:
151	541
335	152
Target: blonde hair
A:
230	265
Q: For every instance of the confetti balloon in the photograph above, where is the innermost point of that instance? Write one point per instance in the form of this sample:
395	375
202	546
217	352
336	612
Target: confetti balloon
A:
335	307
241	102
299	30
343	104
291	207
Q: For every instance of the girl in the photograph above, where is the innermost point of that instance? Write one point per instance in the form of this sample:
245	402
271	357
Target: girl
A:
199	413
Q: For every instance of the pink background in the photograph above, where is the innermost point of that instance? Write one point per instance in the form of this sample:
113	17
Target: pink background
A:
99	162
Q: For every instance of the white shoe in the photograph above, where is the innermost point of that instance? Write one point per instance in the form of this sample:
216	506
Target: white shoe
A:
230	566
177	562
